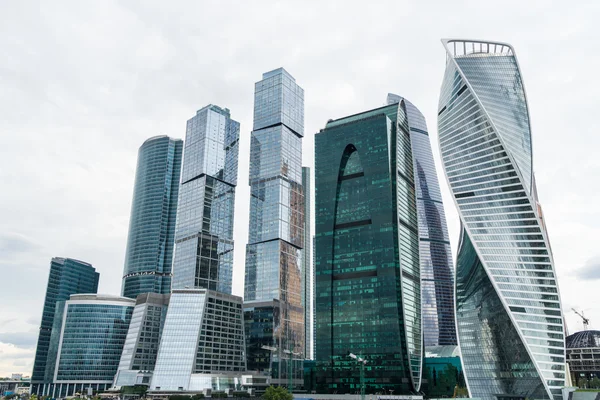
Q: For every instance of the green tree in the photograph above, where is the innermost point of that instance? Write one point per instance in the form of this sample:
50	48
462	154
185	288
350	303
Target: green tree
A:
277	393
198	396
136	389
179	397
582	383
460	392
595	382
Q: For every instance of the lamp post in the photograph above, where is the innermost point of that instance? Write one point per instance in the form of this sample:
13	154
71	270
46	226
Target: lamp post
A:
362	362
290	354
272	350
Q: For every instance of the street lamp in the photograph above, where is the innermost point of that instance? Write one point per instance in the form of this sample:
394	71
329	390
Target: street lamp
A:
272	350
290	353
362	362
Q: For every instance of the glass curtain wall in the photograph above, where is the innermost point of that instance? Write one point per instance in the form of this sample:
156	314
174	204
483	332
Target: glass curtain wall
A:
508	310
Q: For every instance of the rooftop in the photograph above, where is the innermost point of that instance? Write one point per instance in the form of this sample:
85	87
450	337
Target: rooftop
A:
476	48
359	116
222	111
160	137
63	259
583	339
101	297
278	71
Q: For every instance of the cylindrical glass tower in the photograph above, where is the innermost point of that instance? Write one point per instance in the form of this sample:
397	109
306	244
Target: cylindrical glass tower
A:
150	243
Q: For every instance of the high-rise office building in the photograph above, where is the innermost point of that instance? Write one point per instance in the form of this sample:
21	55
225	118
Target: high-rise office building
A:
67	276
202	345
273	311
92	335
150	242
508	311
437	273
307	270
204	230
368	182
143	338
314	299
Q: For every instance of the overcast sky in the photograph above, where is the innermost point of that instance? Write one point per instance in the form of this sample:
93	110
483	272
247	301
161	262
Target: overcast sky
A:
83	84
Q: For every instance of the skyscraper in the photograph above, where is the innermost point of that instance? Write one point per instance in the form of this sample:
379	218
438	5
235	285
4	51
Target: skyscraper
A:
367	250
307	269
509	319
437	280
67	276
91	340
273	311
202	343
150	241
314	299
204	231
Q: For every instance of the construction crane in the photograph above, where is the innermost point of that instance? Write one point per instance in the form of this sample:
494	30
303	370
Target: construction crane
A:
586	321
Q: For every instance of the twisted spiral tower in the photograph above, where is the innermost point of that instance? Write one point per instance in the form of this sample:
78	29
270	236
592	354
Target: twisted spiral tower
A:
509	320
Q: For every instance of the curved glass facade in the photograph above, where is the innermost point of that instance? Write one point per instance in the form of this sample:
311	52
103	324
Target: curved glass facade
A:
93	333
509	319
149	253
583	340
367	254
435	254
583	355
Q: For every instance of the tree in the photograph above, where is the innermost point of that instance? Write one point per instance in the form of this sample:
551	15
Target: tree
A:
582	383
277	393
135	389
460	392
595	382
179	397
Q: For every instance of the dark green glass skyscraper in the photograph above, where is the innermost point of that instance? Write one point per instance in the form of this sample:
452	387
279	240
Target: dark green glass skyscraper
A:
67	277
368	299
151	236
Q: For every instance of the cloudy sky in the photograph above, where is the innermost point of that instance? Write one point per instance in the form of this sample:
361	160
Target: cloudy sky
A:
83	84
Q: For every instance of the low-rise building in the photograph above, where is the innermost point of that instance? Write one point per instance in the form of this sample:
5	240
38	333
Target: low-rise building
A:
202	345
583	355
93	332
